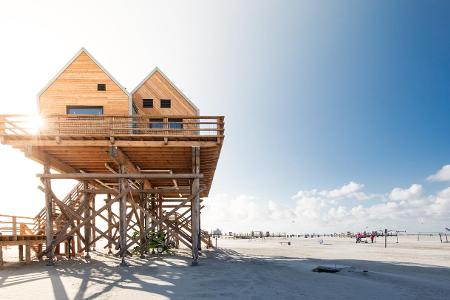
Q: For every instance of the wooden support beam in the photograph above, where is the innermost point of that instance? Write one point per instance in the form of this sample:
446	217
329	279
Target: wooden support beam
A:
143	191
49	223
64	142
28	253
142	218
20	252
84	176
62	235
122	218
44	158
109	221
156	221
87	226
93	231
195	210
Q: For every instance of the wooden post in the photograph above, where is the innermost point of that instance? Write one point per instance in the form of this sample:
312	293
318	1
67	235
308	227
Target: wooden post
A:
87	226
142	217
160	212
153	209
108	198
78	240
28	253
72	246
195	209
14	226
122	219
20	252
177	236
93	231
1	254
49	211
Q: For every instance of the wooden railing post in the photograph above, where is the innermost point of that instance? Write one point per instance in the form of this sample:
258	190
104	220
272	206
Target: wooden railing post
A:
166	131
14	226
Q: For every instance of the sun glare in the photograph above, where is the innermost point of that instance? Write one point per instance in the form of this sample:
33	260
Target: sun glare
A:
34	124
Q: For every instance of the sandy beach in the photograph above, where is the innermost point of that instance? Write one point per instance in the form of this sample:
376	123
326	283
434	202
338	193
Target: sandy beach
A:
247	269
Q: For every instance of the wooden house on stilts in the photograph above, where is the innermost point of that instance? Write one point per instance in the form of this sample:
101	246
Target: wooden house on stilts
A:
149	152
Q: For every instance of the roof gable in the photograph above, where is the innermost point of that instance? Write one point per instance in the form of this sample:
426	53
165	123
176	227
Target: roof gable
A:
157	70
80	52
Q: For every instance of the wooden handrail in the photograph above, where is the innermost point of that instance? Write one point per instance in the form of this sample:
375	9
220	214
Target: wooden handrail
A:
113	125
14	225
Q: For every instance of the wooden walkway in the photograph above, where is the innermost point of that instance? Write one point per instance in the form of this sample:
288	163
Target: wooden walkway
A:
19	231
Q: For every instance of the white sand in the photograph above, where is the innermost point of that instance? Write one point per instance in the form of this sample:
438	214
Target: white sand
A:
243	269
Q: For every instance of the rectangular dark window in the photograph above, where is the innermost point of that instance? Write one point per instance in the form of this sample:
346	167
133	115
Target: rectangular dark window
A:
84	110
165	103
176	123
101	87
147	103
156	123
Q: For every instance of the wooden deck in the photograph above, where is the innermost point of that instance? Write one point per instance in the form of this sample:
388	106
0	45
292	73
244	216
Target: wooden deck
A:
82	143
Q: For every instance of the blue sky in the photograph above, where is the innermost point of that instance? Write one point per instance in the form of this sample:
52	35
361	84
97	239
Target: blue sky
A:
316	94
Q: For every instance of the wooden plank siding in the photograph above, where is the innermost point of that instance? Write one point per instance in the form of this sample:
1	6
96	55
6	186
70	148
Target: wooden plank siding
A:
77	86
158	87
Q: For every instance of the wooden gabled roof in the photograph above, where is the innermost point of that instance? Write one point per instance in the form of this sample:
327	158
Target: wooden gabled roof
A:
157	70
81	51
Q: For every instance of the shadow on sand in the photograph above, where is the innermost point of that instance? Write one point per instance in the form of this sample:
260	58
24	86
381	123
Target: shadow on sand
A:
225	273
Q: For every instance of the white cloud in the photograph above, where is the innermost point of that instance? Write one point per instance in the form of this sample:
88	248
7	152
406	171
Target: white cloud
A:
442	175
326	211
413	192
345	191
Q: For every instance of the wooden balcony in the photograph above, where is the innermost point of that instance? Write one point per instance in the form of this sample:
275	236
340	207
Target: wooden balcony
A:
82	143
108	128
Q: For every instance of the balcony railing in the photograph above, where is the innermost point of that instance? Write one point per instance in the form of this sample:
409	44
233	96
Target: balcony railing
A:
16	225
112	126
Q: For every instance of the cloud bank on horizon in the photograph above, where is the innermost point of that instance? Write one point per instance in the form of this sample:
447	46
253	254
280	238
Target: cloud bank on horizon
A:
346	208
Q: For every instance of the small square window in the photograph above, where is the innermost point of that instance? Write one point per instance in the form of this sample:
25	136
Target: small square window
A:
147	103
165	103
101	87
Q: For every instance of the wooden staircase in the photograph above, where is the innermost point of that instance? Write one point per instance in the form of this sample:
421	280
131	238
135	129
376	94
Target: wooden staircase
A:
30	232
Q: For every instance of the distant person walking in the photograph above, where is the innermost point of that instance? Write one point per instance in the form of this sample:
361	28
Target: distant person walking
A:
372	237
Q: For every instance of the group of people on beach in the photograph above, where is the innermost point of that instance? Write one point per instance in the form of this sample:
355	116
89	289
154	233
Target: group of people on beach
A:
362	235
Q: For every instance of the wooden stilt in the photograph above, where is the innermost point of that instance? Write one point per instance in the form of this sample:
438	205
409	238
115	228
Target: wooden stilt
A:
49	223
108	198
195	209
122	219
160	211
142	220
87	226
1	255
28	253
72	247
20	252
93	231
78	240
